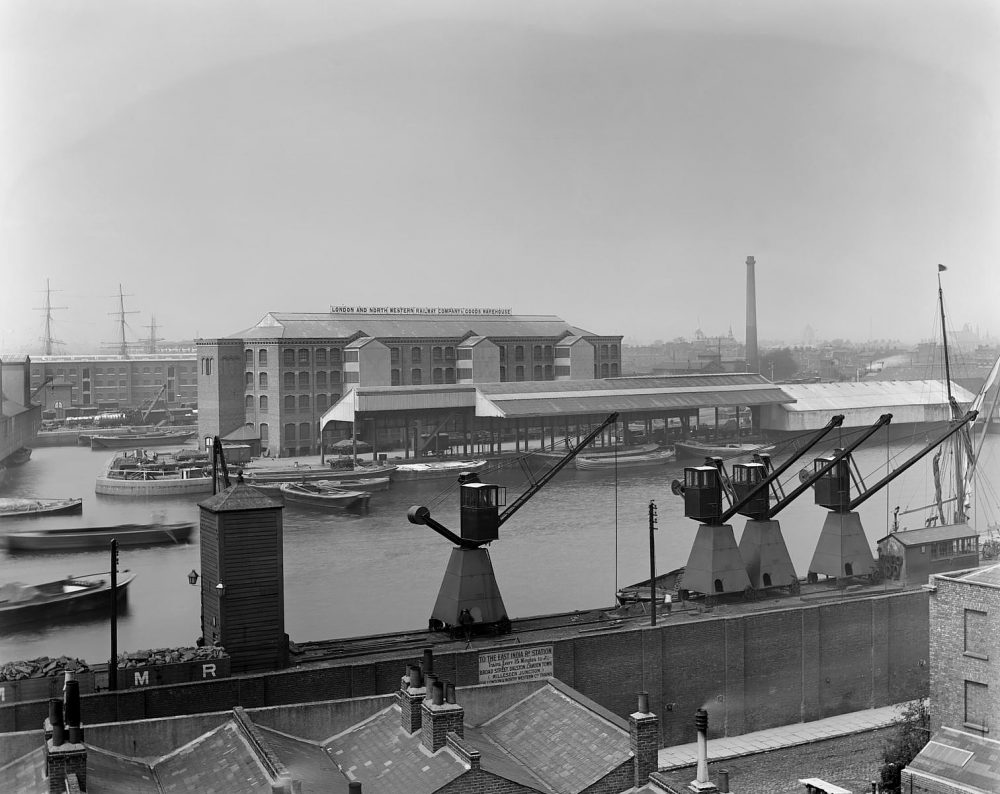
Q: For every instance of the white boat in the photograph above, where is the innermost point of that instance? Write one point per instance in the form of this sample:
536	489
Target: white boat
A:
696	449
437	468
310	473
145	474
657	457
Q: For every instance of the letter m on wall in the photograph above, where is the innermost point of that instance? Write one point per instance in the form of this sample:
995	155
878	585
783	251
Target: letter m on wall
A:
142	679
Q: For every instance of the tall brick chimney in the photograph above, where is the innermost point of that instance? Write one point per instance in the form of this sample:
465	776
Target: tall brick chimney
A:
439	718
644	740
753	359
65	752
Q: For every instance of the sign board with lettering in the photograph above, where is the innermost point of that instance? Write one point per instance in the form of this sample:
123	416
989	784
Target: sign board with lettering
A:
474	311
515	664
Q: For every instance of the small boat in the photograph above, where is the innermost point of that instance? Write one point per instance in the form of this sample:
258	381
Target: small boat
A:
86	538
143	474
50	601
656	458
129	440
600	452
325	495
19	456
696	449
438	468
360	483
310	473
27	507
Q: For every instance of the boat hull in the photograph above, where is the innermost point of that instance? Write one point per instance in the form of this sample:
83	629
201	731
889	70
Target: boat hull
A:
164	486
133	441
92	597
324	497
693	450
29	508
437	469
88	538
649	460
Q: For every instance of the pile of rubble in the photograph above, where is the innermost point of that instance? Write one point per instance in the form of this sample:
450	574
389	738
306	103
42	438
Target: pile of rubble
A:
42	667
158	656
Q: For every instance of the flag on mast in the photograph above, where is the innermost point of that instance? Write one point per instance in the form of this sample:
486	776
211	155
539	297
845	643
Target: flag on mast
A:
941	268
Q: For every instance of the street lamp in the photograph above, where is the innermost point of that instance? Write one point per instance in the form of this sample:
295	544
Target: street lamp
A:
193	577
220	588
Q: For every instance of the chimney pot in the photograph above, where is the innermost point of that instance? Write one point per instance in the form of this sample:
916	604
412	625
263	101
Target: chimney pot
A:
437	693
71	710
643	703
429	681
428	661
56	722
449	691
354	787
416	677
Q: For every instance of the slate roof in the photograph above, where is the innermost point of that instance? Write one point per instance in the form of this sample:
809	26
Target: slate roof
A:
238	496
219	762
918	537
564	743
25	775
970	761
291	325
112	773
870	394
990	575
379	752
306	761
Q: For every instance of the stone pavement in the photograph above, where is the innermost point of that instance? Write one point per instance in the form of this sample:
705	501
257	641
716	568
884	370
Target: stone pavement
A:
721	749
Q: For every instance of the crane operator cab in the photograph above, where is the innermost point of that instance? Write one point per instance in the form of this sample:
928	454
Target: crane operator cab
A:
703	494
833	489
746	477
480	509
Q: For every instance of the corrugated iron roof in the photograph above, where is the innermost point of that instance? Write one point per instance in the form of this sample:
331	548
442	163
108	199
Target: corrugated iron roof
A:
280	325
885	394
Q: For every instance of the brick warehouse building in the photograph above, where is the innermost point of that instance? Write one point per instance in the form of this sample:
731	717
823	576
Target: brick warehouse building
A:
279	376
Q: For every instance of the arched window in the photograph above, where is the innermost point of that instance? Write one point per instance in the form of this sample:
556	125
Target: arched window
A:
604	351
537	352
449	354
519	373
262	358
548	372
416	376
248	378
289	402
503	374
320	380
248	358
414	355
320	402
262	380
248	402
263	403
614	351
303	402
303	380
438	375
321	355
614	369
249	425
394	377
289	380
303	356
436	353
264	429
334	377
548	351
519	353
449	375
305	431
289	432
334	355
604	370
288	357
537	372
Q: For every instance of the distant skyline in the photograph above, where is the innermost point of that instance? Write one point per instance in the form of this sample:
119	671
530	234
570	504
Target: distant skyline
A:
611	163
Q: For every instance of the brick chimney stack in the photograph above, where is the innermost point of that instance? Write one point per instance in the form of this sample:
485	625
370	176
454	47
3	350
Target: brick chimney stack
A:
411	696
644	740
440	718
65	752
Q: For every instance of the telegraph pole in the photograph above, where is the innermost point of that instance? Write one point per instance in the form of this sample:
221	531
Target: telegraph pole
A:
652	563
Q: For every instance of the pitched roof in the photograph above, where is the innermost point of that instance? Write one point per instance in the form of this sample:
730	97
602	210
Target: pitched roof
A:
918	537
380	753
564	743
292	325
238	496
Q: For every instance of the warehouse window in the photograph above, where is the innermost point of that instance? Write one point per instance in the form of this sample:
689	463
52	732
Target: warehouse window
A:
289	380
303	402
976	705
438	375
303	356
289	432
416	377
394	377
334	355
263	404
262	380
248	403
288	357
321	380
303	380
289	402
248	379
975	633
248	358
320	355
261	359
414	355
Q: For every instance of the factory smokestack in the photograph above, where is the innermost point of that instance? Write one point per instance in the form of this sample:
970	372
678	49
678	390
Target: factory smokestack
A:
753	360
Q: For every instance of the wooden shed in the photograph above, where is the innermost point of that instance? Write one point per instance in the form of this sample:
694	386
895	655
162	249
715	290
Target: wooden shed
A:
912	555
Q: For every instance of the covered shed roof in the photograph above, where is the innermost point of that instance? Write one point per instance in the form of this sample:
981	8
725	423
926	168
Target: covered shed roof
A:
827	397
565	398
962	760
918	537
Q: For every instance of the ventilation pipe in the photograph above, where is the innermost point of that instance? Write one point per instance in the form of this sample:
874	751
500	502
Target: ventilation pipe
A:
701	724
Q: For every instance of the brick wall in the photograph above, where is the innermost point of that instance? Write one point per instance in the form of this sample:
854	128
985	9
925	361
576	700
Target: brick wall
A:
749	672
951	665
915	784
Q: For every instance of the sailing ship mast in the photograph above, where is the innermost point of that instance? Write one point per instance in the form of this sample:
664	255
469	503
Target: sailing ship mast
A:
956	413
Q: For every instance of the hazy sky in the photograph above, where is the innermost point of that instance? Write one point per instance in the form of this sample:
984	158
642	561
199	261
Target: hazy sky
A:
609	161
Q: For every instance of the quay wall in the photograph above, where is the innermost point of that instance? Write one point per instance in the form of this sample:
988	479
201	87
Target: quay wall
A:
750	671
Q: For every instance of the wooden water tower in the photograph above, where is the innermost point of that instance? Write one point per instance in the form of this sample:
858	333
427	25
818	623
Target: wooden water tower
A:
242	578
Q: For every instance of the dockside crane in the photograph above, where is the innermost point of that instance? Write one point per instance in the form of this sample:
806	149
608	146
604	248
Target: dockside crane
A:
716	564
843	548
469	599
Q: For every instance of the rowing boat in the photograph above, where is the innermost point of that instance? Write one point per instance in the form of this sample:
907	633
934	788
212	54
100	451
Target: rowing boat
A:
42	603
324	494
86	538
28	507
